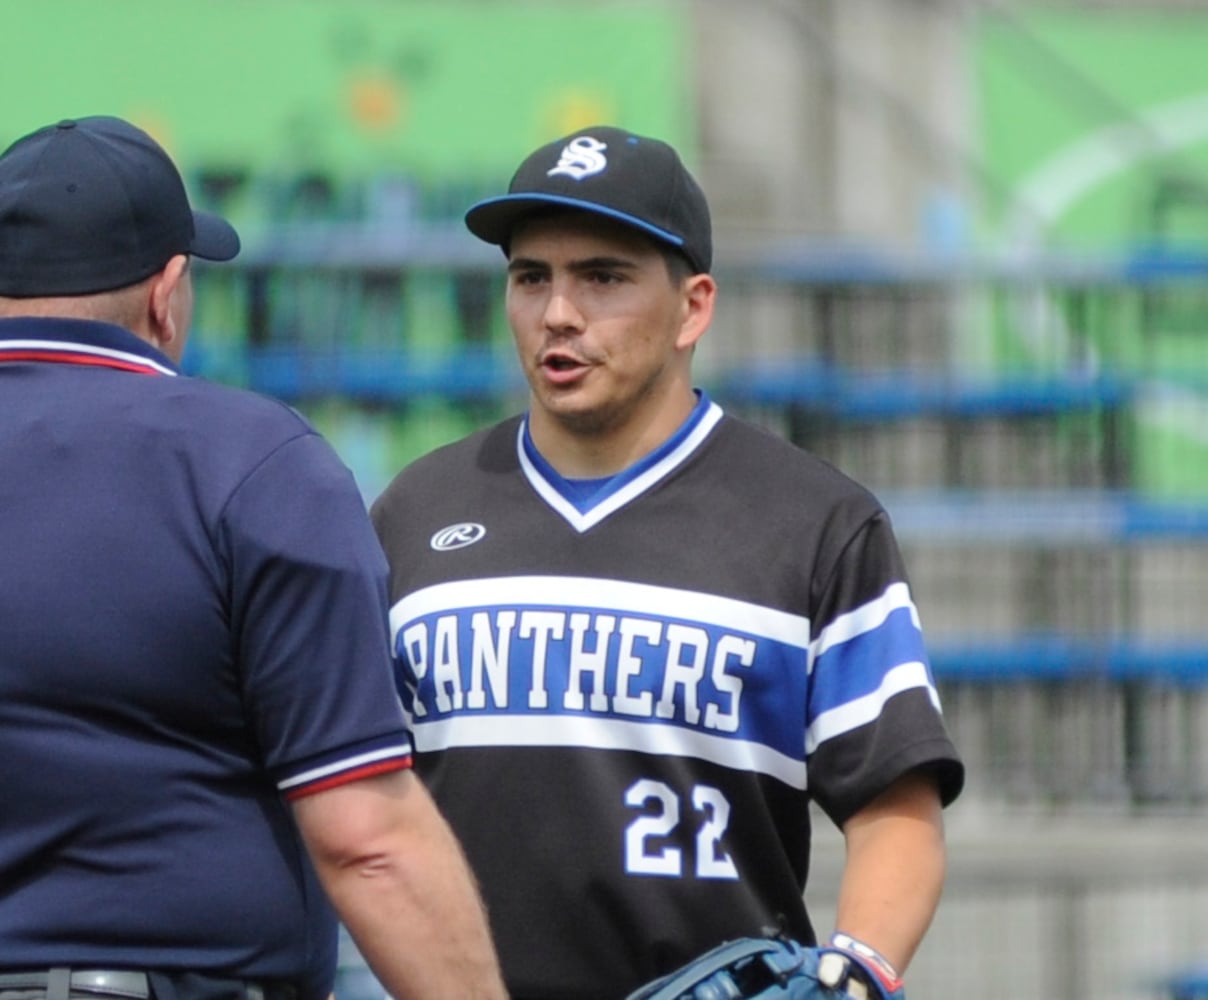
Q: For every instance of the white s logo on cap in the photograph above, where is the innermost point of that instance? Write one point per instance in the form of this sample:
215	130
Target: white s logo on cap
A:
581	157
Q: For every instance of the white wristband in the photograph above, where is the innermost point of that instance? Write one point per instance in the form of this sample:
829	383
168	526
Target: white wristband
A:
877	962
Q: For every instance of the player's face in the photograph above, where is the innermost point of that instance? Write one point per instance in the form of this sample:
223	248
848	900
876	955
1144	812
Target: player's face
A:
603	331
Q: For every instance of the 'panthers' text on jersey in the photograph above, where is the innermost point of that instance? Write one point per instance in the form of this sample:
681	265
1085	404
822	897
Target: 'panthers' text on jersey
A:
624	693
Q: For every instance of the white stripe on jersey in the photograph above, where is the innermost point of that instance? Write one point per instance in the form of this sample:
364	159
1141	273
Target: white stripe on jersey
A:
346	764
595	733
865	618
862	711
617	500
620	596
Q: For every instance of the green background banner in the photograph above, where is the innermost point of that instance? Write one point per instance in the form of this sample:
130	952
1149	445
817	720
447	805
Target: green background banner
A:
1098	128
354	86
350	110
1087	121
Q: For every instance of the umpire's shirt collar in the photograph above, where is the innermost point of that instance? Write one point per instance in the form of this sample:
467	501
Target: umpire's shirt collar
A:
55	340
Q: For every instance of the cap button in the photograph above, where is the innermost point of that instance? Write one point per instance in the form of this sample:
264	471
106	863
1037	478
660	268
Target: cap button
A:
67	123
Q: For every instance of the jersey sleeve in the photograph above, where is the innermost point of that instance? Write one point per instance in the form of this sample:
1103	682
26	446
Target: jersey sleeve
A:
873	710
309	622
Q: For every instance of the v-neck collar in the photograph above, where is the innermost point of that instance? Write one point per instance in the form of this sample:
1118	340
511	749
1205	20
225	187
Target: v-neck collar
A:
584	509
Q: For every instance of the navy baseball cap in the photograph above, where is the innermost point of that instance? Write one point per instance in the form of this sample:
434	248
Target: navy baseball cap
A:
93	204
611	172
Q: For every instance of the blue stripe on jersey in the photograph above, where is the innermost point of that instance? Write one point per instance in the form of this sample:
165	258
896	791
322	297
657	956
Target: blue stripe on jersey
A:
855	667
861	660
586	662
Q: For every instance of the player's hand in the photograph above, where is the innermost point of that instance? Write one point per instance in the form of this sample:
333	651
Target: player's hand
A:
855	970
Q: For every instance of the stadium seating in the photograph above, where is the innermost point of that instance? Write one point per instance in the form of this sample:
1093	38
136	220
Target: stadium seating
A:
1014	415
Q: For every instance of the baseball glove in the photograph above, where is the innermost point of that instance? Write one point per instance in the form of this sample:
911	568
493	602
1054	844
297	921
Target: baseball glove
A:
771	968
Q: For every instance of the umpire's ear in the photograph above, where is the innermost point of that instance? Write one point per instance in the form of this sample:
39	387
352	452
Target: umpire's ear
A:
170	306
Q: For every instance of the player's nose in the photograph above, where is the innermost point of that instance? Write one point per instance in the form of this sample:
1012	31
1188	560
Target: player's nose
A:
561	312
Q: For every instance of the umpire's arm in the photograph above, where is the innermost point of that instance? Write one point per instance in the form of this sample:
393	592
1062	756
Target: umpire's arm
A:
398	880
894	872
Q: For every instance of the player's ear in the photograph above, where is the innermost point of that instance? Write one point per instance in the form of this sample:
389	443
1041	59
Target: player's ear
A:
165	287
699	295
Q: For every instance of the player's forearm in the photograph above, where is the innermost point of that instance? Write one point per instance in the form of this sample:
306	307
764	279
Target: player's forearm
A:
894	873
398	880
421	928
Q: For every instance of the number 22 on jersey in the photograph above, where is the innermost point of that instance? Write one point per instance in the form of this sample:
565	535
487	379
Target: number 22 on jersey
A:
646	852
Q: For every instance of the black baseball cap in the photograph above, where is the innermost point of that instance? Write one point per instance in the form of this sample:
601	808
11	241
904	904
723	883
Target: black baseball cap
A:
93	204
636	180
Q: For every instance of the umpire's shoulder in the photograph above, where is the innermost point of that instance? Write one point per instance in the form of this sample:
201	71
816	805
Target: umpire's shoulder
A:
239	418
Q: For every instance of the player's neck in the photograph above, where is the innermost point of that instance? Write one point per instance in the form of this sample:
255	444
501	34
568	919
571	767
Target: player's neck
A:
578	451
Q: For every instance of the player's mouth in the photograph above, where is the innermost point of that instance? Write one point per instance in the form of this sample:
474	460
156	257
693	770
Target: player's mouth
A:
563	369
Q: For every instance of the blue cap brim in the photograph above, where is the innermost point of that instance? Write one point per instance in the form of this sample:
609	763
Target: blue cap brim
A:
494	219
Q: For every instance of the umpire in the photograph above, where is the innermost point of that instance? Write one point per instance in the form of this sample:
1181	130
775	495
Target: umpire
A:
198	727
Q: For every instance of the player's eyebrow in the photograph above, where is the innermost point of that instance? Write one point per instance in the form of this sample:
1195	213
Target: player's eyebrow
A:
526	264
602	262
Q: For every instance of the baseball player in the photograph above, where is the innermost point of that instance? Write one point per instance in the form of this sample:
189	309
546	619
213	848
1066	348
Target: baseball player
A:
636	636
198	726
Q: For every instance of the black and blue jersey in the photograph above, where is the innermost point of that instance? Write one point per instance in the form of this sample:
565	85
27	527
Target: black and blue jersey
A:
624	694
193	607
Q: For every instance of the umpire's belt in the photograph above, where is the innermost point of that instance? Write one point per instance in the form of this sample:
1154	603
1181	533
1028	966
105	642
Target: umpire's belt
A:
127	983
102	982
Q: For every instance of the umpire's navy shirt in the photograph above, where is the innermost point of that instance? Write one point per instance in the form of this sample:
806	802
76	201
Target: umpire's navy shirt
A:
192	631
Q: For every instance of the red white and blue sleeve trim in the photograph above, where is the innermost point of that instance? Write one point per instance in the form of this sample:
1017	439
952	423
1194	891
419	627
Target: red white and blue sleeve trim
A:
322	775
